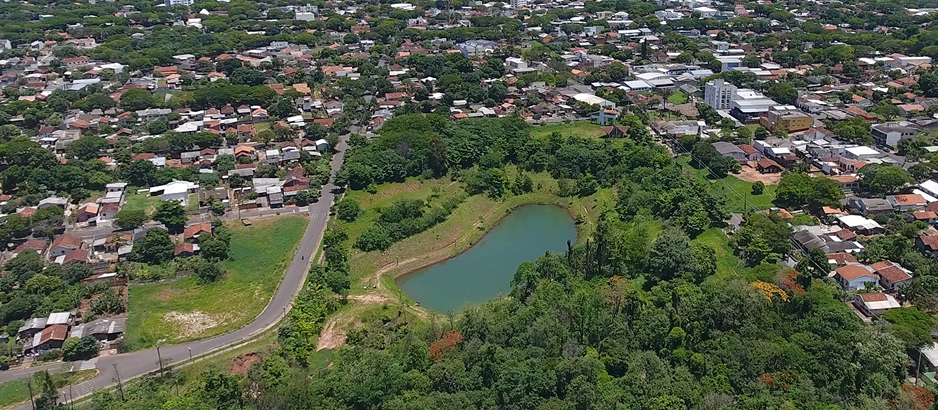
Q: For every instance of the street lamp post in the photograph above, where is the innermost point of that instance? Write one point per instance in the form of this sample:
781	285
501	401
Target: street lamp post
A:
190	353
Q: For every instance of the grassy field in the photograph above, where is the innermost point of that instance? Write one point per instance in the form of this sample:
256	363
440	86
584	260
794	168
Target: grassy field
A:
739	197
677	98
140	202
16	392
727	263
184	310
738	193
578	128
468	223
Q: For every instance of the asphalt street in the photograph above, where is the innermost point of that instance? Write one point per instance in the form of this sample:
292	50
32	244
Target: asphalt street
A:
135	364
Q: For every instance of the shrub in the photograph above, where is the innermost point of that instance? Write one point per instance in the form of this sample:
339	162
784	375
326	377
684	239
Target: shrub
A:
758	188
348	210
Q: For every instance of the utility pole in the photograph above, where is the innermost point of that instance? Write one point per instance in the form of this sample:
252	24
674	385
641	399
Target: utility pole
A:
190	353
159	357
29	385
120	387
72	395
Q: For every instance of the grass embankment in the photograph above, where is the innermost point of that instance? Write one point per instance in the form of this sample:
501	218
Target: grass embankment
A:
467	225
140	202
183	310
16	392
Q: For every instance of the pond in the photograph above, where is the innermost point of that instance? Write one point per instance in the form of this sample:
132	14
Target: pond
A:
485	271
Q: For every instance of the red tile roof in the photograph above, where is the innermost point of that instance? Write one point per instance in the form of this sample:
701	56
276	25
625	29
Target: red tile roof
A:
910	199
36	244
54	332
851	272
194	230
67	241
77	255
841	258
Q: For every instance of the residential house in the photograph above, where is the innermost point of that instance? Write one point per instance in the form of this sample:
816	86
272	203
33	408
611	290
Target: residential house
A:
927	245
185	250
752	154
730	150
192	232
615	131
767	166
875	304
273	156
64	244
891	275
50	338
870	206
904	203
87	212
101	329
855	277
189	157
31	327
890	133
246	151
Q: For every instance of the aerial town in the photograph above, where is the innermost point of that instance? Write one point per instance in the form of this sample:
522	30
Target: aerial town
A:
659	204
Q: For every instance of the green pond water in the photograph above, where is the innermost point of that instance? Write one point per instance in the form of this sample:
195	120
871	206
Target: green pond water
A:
484	271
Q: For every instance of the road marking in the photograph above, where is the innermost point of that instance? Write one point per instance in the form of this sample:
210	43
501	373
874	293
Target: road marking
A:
88	364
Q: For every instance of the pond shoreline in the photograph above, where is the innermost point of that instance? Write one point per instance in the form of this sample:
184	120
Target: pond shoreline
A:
485	269
434	260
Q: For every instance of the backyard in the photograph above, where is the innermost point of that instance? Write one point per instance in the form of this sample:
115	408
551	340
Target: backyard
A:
183	310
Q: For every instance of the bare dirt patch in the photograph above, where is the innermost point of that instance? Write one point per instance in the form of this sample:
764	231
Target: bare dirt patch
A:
331	337
193	323
241	363
750	174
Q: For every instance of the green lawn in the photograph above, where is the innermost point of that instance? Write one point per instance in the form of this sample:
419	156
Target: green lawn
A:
578	128
677	98
738	193
140	202
727	262
16	392
259	253
739	197
193	202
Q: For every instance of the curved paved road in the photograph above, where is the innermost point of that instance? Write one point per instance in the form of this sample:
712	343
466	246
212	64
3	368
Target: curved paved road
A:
135	364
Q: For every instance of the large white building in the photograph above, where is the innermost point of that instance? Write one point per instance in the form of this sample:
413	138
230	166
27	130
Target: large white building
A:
719	94
170	3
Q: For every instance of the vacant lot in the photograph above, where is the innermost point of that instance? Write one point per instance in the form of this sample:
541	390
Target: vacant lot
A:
737	192
140	202
750	174
578	128
677	98
184	310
